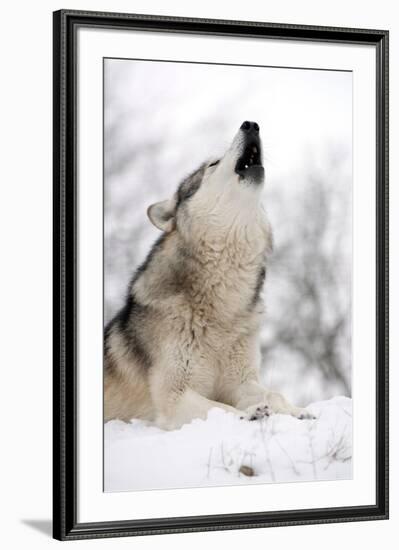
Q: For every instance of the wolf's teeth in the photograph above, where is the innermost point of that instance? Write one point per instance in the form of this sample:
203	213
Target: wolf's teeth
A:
246	166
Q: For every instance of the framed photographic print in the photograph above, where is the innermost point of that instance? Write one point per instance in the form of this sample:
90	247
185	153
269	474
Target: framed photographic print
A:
220	274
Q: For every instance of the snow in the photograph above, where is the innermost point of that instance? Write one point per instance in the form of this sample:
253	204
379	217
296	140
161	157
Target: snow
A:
224	450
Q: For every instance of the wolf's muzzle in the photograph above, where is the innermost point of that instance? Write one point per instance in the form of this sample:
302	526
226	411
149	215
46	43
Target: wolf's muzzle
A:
249	164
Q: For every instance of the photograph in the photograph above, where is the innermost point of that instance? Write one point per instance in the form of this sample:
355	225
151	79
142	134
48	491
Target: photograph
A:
227	287
220	302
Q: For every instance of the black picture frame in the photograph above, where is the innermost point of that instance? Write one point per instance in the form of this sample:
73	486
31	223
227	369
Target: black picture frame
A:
66	23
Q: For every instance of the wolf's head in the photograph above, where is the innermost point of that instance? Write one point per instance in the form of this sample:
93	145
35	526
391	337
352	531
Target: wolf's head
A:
220	194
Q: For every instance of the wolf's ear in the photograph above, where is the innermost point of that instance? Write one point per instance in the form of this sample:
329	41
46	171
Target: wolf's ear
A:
162	214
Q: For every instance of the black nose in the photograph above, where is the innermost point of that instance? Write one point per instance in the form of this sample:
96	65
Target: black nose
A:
250	127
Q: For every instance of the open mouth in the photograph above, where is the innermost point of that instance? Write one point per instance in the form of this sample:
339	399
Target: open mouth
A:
250	158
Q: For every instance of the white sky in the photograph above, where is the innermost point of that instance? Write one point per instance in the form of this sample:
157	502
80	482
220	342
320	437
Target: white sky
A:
298	110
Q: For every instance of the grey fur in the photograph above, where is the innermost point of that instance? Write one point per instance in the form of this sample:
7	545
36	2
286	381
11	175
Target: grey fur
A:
190	185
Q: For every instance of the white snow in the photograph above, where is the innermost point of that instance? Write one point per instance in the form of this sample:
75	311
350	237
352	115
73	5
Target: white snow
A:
139	456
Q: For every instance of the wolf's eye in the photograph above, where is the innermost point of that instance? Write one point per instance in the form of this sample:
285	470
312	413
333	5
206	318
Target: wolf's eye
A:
214	163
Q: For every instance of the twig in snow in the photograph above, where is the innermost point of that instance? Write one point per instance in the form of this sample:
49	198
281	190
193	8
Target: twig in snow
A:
333	452
312	455
209	463
293	466
267	452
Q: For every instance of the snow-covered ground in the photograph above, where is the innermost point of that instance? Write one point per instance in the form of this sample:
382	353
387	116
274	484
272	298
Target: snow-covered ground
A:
224	450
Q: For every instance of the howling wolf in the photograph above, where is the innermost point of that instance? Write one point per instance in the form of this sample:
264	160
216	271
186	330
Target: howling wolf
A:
186	339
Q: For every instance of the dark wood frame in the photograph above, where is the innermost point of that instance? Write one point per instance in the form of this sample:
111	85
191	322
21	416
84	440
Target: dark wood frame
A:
66	527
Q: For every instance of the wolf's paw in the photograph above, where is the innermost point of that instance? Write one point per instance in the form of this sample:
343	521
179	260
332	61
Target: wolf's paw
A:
303	414
257	412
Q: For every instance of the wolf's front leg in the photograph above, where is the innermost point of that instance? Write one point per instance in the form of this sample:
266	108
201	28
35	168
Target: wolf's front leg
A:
181	408
254	398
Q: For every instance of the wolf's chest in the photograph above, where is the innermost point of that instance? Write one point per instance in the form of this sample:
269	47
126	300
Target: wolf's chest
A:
215	357
218	300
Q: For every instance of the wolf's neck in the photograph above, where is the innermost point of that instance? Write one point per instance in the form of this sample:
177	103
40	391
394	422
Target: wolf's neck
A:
222	272
225	258
222	280
238	243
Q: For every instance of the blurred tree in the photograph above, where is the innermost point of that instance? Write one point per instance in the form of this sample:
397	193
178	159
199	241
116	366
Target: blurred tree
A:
311	268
